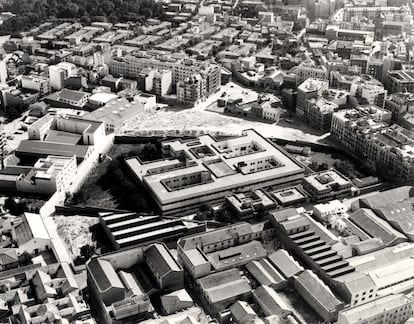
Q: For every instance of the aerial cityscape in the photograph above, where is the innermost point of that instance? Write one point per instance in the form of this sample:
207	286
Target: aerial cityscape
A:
206	161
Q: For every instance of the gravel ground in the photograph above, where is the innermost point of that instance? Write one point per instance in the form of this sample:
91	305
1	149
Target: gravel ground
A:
74	230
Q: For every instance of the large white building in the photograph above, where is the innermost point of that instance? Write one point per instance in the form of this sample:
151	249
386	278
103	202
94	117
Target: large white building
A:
207	170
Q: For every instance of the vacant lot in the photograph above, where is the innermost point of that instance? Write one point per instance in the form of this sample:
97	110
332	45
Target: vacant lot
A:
110	186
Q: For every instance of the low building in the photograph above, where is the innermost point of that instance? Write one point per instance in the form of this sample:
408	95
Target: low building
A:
38	294
116	112
243	313
31	235
399	216
318	295
392	308
176	301
245	206
197	253
167	273
327	184
329	211
289	196
220	290
285	263
121	282
266	274
374	226
269	302
68	99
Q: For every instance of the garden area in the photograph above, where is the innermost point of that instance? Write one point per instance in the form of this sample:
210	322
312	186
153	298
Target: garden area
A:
320	161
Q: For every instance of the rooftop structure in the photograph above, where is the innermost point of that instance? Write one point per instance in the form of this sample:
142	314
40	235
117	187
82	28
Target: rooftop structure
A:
327	184
126	229
57	295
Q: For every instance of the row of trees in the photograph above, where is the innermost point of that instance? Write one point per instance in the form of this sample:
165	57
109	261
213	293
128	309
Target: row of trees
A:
31	13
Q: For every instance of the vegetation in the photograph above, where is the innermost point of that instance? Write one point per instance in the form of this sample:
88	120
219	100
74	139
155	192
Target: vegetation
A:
17	206
347	169
110	185
31	13
315	166
87	251
24	259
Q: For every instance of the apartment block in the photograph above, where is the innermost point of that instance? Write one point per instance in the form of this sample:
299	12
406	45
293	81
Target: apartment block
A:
366	133
130	66
309	69
310	88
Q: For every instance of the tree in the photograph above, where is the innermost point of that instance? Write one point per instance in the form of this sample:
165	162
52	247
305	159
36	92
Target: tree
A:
25	259
87	251
204	212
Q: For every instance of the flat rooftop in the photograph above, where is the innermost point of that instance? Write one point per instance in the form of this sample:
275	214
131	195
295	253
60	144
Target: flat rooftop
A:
251	159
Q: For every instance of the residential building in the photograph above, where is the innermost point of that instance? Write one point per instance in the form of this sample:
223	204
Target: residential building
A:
59	73
310	88
372	94
36	83
365	133
309	69
162	82
192	90
399	104
41	293
47	176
